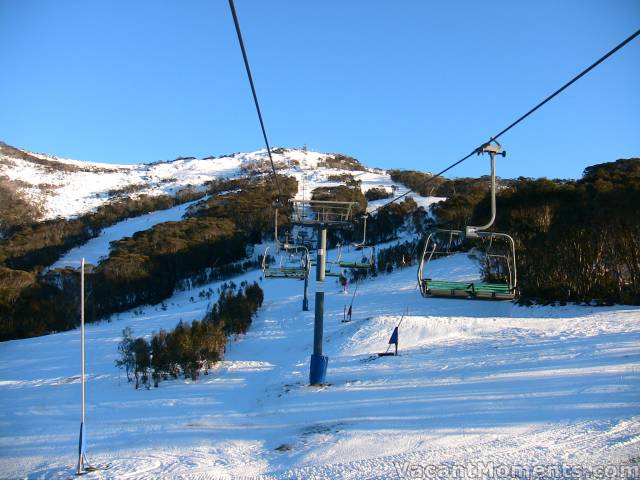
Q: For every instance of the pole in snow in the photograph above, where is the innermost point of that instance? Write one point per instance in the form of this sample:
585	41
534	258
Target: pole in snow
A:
305	298
84	466
82	460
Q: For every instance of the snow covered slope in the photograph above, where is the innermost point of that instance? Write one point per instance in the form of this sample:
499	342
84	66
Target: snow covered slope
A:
98	247
70	187
475	381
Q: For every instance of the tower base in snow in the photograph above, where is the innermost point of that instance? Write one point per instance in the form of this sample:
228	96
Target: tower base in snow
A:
318	369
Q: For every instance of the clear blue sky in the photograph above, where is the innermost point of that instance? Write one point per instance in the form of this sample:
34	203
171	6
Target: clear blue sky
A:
397	84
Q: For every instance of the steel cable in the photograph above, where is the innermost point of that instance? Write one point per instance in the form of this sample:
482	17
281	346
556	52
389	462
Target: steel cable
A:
520	119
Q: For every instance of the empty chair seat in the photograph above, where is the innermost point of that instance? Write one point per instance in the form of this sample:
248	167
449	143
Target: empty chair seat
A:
443	288
285	272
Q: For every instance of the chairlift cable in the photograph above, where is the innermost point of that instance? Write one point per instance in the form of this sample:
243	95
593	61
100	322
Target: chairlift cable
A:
520	119
569	83
255	96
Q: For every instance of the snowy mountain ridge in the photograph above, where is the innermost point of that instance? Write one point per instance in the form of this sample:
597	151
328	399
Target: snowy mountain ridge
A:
66	188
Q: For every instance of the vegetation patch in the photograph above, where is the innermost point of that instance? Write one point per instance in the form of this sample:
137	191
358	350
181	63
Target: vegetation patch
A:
17	210
50	165
190	349
33	246
374	194
215	241
340	161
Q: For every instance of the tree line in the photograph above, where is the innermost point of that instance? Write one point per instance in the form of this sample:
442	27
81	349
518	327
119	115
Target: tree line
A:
576	241
189	349
427	185
213	241
33	246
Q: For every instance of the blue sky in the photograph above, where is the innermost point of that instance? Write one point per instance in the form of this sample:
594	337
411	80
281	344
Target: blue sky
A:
397	84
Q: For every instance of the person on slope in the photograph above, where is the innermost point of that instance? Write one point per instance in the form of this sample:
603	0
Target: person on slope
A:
343	282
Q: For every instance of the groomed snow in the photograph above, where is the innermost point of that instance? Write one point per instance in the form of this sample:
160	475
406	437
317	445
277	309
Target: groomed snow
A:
475	381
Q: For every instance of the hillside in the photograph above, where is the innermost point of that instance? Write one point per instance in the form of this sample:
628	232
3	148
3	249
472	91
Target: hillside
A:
67	188
552	387
180	205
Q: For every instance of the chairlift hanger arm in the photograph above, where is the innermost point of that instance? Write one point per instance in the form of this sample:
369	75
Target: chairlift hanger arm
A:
492	149
364	232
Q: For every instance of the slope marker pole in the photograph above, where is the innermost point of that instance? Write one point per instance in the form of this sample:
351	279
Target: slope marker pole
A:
82	460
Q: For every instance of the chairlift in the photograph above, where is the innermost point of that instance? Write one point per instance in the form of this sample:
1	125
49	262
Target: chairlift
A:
368	251
333	268
303	238
365	263
498	250
293	260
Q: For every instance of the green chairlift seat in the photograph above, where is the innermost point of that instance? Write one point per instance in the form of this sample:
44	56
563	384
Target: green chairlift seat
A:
479	290
285	272
329	273
293	271
366	263
359	265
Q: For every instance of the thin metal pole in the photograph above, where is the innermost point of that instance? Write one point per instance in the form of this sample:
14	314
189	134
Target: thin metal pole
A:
82	329
307	268
275	232
82	440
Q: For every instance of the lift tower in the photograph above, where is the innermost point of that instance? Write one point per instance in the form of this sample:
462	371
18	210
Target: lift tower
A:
321	216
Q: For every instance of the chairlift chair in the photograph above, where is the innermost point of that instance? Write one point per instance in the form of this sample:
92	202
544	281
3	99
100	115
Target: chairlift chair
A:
365	263
367	259
293	260
293	263
333	268
303	238
368	252
360	245
499	262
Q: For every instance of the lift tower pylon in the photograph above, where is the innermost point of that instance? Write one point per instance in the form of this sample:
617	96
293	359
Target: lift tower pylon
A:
321	216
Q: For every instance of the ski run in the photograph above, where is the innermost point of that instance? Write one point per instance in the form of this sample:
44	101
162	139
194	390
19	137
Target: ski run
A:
475	382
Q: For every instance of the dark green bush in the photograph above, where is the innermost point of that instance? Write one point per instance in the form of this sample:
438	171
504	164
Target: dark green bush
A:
190	348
